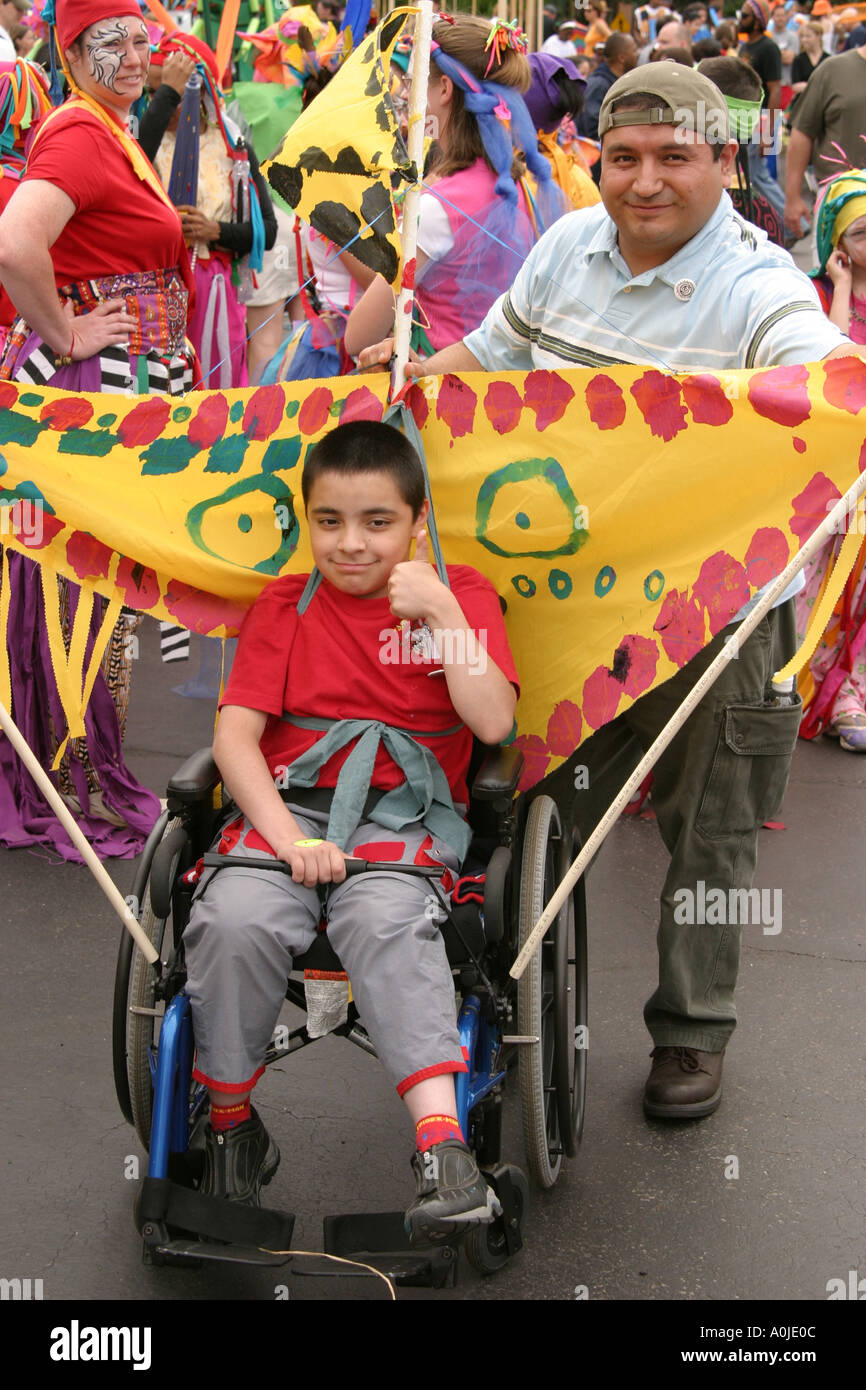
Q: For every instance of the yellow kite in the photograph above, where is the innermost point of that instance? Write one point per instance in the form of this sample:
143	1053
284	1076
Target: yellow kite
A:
335	165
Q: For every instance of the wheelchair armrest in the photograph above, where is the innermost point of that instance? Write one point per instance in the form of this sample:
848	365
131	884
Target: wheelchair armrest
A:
195	779
498	774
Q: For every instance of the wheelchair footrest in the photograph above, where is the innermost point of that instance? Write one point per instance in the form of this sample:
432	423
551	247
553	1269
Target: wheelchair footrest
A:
379	1239
165	1211
210	1250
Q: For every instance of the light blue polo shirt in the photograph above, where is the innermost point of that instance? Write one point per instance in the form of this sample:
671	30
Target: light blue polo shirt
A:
728	299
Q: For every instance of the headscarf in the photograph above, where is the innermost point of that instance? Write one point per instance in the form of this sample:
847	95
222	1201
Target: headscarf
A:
843	201
505	125
544	98
761	9
72	17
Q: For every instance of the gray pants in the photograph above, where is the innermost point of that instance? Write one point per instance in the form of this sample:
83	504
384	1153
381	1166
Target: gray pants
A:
246	925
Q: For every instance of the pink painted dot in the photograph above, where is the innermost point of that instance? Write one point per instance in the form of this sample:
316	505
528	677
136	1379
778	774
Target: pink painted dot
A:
564	728
766	556
601	696
456	404
799	444
706	399
536	759
722	588
681	624
605	402
781	394
315	411
502	406
660	404
549	395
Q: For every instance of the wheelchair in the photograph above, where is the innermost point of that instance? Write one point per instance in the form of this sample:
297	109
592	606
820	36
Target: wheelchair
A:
521	847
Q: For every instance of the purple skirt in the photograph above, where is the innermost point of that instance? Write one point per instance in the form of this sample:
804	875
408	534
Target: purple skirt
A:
26	819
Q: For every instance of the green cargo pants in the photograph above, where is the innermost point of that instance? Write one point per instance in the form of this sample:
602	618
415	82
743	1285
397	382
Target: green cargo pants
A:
723	775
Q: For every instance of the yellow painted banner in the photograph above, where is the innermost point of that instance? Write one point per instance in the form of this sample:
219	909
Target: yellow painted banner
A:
625	516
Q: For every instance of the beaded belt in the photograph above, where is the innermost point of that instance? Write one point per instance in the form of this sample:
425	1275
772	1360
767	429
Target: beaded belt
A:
156	299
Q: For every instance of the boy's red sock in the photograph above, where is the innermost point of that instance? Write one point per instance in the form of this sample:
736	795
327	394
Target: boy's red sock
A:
228	1116
434	1129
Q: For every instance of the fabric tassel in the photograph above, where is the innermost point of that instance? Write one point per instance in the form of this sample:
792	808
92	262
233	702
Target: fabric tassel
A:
55	88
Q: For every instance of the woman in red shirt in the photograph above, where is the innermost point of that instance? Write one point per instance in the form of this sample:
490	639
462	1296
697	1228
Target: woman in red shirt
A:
92	256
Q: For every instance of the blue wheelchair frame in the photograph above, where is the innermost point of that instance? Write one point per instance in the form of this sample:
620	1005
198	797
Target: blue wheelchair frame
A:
173	1110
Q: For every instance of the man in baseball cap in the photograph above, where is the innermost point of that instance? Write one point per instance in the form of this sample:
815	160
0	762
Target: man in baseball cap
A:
665	272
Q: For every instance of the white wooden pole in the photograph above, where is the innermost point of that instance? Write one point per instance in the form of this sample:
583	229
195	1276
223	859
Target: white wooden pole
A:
412	201
43	781
846	506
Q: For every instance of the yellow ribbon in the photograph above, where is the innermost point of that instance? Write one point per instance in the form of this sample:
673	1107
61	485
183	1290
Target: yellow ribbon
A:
68	669
5	598
833	585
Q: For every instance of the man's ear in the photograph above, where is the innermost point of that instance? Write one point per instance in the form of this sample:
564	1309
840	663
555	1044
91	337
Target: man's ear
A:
727	159
420	522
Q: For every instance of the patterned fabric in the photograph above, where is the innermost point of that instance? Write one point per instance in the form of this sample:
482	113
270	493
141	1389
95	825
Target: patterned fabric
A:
158	357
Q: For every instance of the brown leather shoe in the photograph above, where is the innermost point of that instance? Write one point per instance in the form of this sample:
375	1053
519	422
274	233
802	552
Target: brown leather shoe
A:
684	1084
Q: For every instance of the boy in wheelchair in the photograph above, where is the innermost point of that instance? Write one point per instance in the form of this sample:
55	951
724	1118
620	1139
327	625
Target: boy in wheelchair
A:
359	698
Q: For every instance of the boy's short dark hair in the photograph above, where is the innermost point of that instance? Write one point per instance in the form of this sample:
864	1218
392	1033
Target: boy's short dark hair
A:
367	446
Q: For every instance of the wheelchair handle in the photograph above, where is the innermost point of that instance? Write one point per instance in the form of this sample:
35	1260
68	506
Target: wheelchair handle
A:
212	860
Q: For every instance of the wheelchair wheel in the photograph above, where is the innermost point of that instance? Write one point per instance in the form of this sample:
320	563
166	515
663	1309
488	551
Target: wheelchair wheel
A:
143	1010
570	1007
536	994
486	1247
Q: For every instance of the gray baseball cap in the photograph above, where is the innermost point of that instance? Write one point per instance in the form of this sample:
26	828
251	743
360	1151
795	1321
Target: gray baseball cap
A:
696	103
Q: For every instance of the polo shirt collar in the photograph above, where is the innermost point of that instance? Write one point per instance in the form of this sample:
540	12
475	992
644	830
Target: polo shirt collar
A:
688	262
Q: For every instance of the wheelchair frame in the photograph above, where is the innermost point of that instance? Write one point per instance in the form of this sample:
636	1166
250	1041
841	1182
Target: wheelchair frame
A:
178	1224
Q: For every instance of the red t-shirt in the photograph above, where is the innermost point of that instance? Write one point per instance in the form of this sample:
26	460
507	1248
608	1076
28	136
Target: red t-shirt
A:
8	313
120	223
345	659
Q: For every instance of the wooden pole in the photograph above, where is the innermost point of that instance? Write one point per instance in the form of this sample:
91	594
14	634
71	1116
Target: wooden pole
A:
411	204
91	859
845	507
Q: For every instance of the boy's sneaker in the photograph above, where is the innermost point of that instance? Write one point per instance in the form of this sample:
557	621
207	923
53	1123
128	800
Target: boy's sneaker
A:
239	1162
452	1195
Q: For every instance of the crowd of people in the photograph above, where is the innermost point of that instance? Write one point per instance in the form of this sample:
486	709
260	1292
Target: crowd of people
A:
134	262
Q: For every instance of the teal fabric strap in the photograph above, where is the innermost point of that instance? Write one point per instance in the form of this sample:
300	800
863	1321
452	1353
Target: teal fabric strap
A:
424	797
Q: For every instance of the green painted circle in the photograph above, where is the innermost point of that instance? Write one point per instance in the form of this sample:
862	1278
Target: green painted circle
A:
522	520
106	421
182	413
604	580
519	580
653	585
559	583
236	411
245	522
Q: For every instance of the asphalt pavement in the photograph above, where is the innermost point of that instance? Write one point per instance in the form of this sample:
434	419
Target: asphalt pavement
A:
763	1200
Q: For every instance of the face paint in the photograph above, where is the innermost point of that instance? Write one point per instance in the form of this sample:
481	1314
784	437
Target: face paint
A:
106	44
